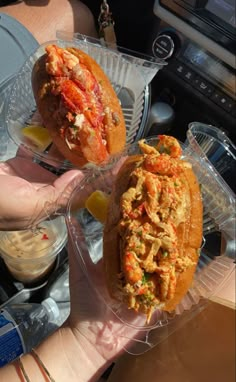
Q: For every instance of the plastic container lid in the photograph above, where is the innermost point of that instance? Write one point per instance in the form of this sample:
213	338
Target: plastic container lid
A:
215	147
216	153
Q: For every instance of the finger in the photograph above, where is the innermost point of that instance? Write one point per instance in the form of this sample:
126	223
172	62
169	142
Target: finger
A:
6	169
23	152
55	196
15	202
66	184
32	172
29	203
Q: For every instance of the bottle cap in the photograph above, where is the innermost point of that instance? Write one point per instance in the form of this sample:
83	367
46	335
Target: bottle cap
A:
52	308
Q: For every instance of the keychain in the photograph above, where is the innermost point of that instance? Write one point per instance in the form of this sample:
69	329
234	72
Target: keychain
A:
106	25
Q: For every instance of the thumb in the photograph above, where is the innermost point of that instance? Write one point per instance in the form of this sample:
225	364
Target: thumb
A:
54	197
65	185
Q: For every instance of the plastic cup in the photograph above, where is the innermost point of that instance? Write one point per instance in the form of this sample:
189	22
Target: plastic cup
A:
30	255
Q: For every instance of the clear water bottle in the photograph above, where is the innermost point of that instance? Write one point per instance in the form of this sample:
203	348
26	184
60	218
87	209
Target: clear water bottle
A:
23	326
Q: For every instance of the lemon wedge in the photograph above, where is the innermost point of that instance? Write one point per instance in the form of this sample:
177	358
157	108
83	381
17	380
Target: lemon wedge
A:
38	136
97	204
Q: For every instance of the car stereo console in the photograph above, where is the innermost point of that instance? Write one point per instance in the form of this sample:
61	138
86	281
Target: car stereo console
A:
197	39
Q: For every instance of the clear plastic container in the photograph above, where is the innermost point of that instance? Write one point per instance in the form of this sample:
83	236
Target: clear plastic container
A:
211	273
129	74
30	254
213	145
7	147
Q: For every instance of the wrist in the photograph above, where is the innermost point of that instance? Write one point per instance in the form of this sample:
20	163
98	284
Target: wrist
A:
67	356
84	360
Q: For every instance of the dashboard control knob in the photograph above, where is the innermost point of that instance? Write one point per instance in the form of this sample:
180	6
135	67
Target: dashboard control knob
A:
163	46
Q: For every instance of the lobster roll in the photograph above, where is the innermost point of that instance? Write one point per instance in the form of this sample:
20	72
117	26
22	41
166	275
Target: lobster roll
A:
78	106
153	230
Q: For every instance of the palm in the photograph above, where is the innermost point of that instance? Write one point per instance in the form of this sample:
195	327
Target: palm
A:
91	316
28	192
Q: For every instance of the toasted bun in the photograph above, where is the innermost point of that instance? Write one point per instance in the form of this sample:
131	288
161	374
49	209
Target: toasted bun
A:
189	235
92	145
111	237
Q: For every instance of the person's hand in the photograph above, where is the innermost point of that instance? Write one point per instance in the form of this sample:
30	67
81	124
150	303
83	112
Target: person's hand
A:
91	314
29	193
